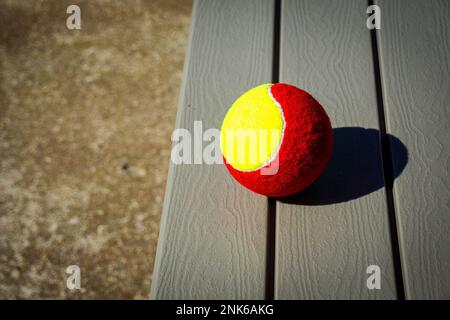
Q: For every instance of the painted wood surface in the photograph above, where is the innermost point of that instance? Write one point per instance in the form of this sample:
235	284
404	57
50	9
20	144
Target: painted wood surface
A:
414	47
213	232
329	234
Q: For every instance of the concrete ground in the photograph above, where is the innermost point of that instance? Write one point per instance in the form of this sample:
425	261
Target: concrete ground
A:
85	123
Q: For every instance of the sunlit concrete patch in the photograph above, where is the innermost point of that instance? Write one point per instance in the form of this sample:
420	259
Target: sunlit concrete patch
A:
85	123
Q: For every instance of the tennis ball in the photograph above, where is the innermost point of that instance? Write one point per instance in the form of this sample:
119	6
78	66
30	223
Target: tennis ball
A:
276	139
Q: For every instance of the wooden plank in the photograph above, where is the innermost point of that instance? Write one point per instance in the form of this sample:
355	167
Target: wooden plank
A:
414	46
213	233
329	234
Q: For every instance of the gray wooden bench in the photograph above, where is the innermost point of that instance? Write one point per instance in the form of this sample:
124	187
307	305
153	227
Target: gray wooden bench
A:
384	198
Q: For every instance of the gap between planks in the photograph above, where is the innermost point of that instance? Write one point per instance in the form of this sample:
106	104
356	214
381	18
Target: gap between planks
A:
388	171
272	204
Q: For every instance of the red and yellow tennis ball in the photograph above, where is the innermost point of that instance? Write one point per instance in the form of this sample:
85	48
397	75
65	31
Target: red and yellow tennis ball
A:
276	139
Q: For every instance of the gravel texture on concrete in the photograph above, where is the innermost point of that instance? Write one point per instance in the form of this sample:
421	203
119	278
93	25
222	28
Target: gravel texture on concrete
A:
85	123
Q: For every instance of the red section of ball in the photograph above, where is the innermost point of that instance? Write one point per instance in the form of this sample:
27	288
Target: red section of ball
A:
305	150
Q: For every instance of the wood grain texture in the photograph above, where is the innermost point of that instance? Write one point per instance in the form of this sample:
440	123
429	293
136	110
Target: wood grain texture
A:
212	243
330	233
414	46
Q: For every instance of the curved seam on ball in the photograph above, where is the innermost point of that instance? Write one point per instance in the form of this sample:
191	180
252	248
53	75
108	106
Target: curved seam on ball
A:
277	150
283	127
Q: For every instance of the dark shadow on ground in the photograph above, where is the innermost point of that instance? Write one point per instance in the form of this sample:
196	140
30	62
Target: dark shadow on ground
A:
355	168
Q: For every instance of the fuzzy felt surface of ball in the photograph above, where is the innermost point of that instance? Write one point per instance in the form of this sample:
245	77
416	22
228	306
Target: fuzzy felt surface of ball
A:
276	139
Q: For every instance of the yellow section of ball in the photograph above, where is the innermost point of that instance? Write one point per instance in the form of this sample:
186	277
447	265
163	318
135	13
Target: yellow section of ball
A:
252	130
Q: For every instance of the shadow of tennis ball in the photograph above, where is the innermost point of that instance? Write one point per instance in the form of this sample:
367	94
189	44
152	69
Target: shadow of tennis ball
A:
355	168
